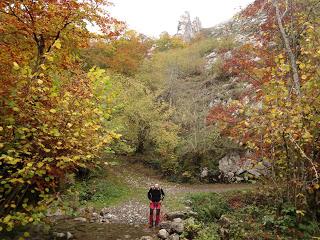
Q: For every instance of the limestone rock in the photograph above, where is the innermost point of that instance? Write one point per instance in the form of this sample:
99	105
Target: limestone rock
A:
163	234
165	225
80	219
177	214
187	29
59	235
174	237
177	220
177	227
204	172
146	238
69	235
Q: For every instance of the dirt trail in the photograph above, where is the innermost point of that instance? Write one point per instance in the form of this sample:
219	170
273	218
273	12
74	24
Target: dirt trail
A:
139	177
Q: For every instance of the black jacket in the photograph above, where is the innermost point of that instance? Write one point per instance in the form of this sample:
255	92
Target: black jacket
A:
155	195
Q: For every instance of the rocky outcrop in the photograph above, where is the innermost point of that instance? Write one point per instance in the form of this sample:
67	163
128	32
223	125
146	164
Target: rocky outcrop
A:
236	167
187	29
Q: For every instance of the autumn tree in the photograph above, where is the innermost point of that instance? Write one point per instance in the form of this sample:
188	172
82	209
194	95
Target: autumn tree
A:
166	42
123	55
277	118
53	113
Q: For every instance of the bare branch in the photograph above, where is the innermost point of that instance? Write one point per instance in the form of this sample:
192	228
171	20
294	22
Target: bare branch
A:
304	155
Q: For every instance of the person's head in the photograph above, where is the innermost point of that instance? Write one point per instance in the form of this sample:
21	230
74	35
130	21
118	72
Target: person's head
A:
156	185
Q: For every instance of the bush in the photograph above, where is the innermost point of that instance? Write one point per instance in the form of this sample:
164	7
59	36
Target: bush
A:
209	206
209	233
191	229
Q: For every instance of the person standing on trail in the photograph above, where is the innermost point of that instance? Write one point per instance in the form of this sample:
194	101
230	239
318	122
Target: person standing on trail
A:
156	196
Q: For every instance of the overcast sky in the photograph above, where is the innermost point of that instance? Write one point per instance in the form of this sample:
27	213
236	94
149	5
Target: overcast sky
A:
152	17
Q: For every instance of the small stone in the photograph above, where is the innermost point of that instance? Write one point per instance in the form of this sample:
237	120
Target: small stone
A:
59	235
95	215
174	237
80	219
109	216
239	179
104	211
69	235
127	236
163	234
178	220
146	238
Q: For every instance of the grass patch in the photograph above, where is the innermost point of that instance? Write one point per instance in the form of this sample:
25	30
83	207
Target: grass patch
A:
175	203
100	189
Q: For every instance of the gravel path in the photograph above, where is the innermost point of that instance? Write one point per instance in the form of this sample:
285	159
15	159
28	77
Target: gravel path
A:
135	211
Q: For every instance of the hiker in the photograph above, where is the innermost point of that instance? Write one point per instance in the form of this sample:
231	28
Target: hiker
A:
155	195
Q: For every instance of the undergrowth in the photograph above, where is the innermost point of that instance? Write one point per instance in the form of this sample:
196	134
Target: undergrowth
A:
250	215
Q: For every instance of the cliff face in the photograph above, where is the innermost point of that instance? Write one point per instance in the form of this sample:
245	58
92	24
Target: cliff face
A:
187	29
195	94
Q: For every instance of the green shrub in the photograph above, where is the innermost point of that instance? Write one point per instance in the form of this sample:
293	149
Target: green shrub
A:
209	206
191	229
209	233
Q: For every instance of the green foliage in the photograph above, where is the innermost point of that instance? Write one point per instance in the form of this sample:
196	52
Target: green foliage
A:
41	142
191	228
209	206
252	216
145	122
166	42
209	232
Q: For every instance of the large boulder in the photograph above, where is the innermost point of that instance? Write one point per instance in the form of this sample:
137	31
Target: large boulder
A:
163	234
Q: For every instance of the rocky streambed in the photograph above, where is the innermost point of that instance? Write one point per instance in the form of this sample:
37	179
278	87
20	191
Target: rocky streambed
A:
104	225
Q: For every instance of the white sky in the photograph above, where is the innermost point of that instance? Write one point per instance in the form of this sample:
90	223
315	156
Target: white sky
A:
152	17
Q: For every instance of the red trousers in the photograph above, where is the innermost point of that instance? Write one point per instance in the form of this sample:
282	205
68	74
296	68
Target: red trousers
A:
154	206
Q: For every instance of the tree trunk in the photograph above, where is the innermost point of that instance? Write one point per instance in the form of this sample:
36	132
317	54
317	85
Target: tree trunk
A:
292	58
